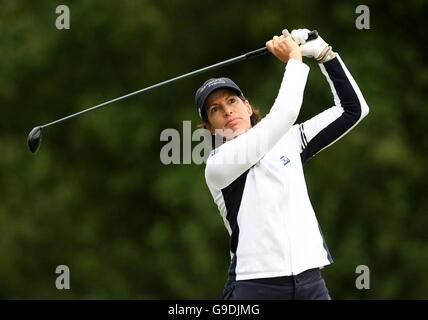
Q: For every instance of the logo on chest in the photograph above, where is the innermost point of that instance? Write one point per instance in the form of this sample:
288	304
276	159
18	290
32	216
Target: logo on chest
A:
284	160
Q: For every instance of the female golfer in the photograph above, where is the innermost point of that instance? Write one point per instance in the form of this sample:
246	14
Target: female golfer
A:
256	175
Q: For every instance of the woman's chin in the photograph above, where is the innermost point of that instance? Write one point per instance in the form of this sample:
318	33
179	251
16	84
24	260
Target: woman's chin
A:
233	131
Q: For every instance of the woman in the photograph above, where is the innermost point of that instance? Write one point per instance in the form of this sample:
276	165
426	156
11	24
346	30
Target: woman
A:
256	177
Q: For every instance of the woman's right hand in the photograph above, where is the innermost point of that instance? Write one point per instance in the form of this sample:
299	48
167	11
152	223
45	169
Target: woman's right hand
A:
284	48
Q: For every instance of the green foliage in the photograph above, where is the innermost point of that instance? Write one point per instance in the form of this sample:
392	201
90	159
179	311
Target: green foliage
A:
98	199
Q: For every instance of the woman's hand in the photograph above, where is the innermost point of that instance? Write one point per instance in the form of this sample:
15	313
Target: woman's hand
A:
284	48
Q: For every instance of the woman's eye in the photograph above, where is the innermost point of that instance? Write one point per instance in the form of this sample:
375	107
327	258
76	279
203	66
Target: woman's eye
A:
232	100
213	109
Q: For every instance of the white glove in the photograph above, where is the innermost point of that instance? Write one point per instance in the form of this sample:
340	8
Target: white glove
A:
311	49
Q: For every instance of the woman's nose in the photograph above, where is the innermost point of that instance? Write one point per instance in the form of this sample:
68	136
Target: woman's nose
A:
227	110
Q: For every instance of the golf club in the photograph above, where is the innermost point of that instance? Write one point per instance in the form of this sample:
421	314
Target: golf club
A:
35	136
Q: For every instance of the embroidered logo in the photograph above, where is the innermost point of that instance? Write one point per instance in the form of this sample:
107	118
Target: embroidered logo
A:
284	160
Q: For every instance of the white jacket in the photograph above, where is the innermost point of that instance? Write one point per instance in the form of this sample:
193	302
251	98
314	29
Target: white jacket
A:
258	184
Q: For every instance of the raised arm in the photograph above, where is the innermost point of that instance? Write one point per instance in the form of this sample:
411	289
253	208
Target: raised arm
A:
229	161
329	126
349	107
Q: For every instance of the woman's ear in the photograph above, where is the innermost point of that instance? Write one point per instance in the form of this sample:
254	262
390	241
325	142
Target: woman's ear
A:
250	109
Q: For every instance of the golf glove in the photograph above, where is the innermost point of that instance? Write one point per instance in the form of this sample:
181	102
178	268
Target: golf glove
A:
317	48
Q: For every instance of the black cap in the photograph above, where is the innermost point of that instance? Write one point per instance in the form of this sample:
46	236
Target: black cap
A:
207	88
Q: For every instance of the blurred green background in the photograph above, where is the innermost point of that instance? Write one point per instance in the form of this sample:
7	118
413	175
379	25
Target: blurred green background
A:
97	198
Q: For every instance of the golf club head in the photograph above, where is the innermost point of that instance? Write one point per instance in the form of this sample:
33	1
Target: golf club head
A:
35	139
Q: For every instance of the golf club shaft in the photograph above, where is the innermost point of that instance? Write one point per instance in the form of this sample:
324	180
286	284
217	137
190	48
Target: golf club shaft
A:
193	73
248	55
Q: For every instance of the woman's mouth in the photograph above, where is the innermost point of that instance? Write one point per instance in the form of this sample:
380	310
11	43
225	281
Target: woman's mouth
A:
232	122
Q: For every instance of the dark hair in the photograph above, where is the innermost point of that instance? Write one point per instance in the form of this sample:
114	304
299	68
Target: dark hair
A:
255	117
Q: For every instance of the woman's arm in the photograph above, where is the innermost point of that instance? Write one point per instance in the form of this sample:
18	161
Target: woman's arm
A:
329	126
229	161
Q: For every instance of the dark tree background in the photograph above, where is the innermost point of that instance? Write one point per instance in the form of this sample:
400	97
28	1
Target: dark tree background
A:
97	197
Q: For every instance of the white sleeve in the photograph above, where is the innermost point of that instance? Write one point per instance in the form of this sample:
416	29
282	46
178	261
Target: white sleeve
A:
233	158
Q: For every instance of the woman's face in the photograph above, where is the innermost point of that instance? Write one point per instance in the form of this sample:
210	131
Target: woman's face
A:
226	111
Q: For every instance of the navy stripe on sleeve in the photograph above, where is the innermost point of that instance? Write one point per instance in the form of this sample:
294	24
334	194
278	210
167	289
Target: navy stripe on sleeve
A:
352	111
